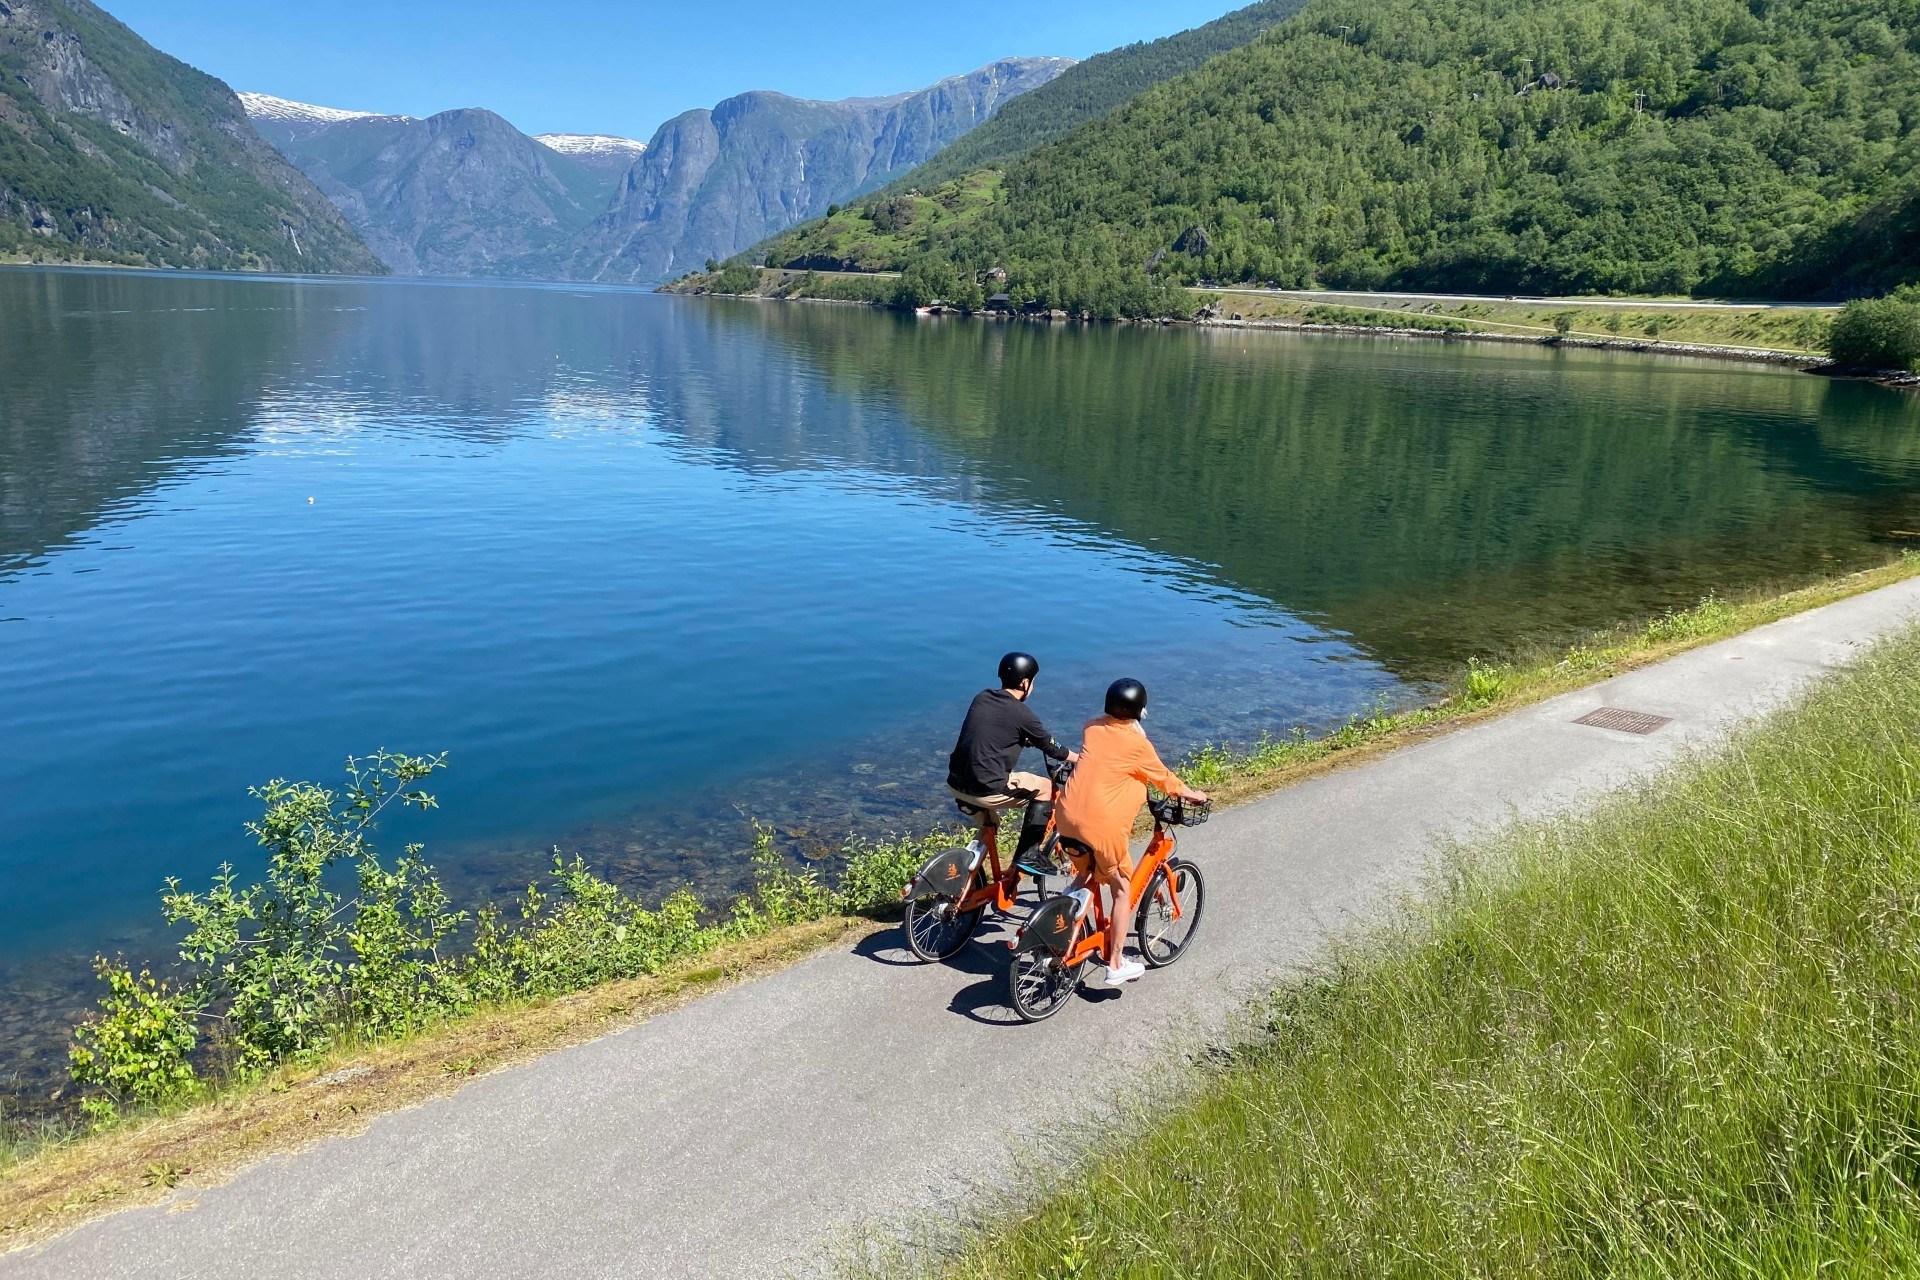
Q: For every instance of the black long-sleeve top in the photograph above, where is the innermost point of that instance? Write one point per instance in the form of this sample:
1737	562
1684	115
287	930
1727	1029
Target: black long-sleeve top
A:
997	727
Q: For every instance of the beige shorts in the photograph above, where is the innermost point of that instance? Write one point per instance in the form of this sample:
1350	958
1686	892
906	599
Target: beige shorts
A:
1021	787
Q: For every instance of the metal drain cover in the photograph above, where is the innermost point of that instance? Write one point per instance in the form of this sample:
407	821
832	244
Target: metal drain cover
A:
1625	721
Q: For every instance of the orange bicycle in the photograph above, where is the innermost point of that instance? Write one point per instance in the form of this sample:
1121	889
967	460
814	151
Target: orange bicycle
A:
945	901
1053	947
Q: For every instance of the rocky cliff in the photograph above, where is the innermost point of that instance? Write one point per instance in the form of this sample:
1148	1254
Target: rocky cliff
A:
460	193
600	152
714	182
112	151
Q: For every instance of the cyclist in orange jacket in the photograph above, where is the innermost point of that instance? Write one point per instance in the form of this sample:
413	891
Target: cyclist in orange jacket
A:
1096	812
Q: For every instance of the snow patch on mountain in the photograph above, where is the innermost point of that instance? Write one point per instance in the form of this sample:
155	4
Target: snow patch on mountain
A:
589	144
264	106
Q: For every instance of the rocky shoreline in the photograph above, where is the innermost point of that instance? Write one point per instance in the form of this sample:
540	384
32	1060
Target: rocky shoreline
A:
1805	363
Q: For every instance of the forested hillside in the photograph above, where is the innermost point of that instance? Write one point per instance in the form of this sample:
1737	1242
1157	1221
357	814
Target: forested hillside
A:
1690	146
110	150
1095	87
713	182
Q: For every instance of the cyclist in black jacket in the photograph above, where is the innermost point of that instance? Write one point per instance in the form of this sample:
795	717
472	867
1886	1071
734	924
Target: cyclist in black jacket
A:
999	725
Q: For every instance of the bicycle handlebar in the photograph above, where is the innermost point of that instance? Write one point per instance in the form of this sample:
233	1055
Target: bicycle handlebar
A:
1171	811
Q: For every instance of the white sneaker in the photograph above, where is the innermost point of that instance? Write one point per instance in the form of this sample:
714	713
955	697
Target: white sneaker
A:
1127	971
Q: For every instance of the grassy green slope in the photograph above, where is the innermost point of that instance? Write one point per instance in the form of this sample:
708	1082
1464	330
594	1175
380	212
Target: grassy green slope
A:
222	200
1092	89
1679	1038
1703	146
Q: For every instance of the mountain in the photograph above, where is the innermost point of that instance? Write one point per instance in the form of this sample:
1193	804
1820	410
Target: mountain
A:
713	182
599	152
457	194
112	151
1092	88
1550	146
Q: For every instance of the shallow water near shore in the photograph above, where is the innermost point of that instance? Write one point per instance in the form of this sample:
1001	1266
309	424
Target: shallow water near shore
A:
646	567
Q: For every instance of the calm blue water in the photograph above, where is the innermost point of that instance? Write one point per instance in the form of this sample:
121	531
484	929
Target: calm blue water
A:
645	566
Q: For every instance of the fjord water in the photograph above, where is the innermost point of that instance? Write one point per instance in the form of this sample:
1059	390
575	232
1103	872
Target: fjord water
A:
645	566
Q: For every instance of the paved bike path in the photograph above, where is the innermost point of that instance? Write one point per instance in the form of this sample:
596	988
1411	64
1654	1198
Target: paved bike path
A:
744	1134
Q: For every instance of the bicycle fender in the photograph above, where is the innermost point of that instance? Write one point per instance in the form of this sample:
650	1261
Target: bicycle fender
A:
948	873
1051	928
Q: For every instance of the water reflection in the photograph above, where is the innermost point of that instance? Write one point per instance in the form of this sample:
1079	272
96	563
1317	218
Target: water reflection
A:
1430	500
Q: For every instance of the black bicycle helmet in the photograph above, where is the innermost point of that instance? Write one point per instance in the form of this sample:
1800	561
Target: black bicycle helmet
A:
1017	667
1126	699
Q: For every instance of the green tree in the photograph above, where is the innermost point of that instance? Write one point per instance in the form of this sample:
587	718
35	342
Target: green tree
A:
1878	333
278	963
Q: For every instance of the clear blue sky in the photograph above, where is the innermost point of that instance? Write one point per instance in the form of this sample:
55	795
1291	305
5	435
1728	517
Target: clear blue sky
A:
608	66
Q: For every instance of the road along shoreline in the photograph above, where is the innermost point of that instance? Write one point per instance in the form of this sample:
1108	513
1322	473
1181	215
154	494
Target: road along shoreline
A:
1449	326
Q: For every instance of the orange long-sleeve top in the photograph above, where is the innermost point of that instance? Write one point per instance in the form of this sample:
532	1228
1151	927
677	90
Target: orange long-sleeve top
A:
1109	784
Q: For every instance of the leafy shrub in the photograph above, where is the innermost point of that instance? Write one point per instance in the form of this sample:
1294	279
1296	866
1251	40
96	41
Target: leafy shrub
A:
1876	333
1484	683
938	280
285	967
1710	617
888	216
736	278
397	978
782	895
875	873
586	931
272	960
138	1047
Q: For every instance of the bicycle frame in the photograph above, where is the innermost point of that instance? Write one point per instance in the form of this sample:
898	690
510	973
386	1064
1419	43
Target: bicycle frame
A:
1001	886
1093	935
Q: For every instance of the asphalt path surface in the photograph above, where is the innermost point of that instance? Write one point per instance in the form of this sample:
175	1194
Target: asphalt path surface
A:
752	1133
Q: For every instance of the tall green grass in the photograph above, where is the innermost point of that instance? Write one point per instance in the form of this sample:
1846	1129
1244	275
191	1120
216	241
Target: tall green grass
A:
1678	1037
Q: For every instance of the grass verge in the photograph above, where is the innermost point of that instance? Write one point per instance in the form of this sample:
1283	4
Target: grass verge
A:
1676	1037
1484	690
1795	330
340	1092
49	1185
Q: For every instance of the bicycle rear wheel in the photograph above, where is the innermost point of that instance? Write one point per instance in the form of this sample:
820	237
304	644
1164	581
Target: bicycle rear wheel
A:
1161	938
1039	984
934	927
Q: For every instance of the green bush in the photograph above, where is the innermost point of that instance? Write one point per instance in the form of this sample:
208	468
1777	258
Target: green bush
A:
736	278
585	931
1711	616
288	966
274	962
1878	333
1484	683
139	1047
875	873
938	280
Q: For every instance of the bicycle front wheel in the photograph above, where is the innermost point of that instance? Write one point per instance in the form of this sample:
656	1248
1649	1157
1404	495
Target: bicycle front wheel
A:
936	928
1039	984
1161	937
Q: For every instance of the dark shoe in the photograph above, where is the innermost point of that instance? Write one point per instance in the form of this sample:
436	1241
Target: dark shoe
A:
1036	864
